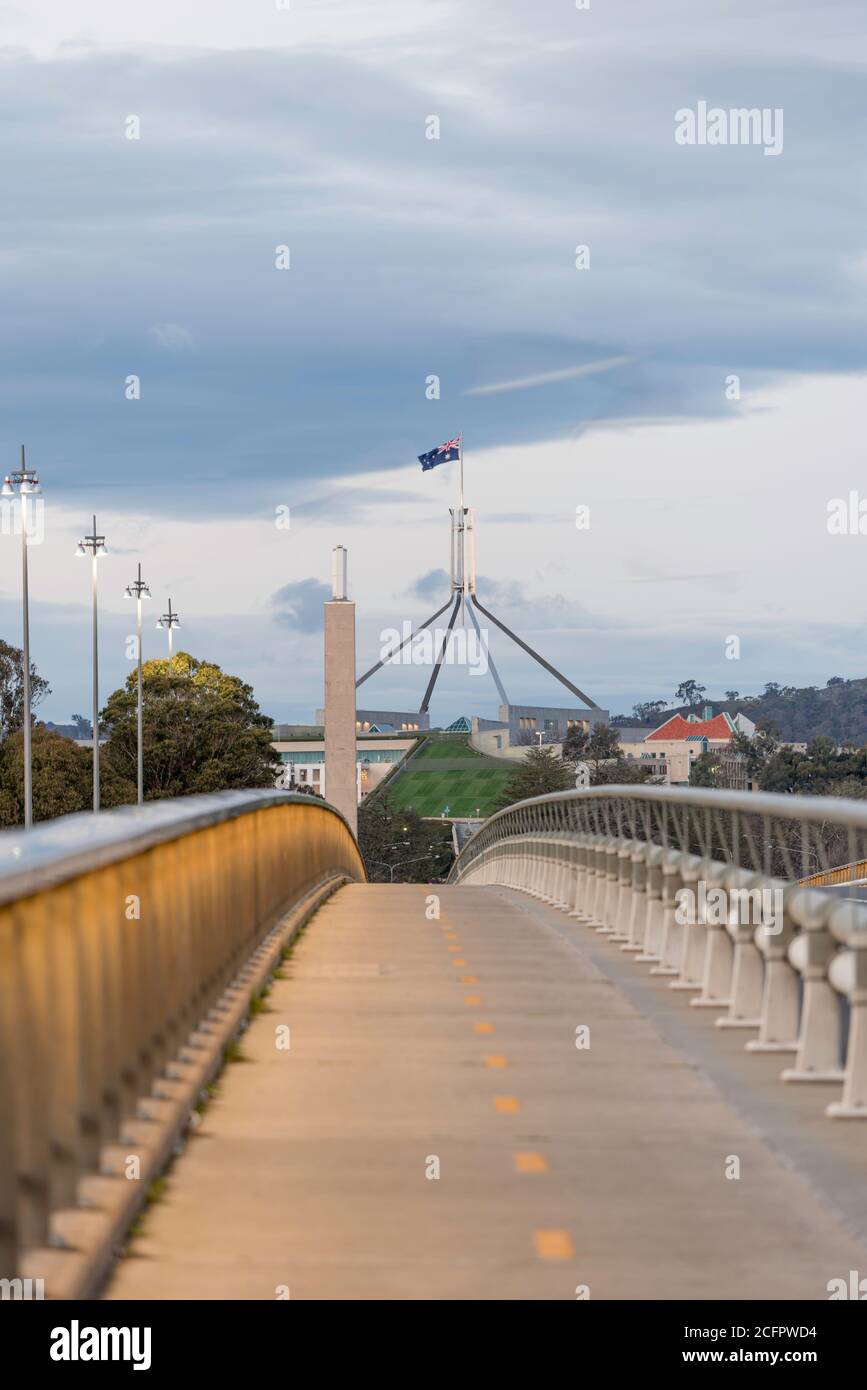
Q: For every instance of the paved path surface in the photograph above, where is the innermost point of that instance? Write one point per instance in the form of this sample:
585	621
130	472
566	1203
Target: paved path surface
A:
414	1040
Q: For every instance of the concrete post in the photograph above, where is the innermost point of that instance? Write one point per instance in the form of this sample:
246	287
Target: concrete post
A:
340	745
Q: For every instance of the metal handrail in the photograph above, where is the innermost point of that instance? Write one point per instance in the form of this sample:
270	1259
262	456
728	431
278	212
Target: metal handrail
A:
122	937
57	850
714	890
552	812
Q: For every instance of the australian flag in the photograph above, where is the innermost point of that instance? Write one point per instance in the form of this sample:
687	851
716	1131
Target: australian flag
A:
443	453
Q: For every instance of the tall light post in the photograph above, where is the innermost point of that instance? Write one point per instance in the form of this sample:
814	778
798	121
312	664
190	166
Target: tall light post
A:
27	484
139	590
168	621
94	546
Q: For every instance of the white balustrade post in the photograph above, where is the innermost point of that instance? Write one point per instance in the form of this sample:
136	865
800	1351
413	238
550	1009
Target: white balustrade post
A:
778	1030
653	921
694	880
811	951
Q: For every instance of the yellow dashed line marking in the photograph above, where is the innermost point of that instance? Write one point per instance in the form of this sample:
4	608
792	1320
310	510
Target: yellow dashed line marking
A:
531	1163
484	1027
472	999
454	948
507	1105
495	1059
452	935
461	964
554	1245
469	979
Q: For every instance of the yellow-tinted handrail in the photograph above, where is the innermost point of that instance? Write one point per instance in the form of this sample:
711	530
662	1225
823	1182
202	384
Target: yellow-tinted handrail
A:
118	934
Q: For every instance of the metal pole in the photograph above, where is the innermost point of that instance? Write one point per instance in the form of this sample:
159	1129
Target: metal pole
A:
170	642
140	742
25	602
95	711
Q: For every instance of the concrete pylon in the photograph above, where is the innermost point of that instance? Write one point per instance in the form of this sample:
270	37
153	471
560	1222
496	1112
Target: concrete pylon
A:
340	744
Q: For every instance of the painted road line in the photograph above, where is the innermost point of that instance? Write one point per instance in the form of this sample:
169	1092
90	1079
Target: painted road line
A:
554	1245
495	1059
531	1163
507	1105
483	1027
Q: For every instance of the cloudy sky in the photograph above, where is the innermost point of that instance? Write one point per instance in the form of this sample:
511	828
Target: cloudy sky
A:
263	125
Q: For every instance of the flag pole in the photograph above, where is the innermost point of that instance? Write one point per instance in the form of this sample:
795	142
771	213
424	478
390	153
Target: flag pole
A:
463	533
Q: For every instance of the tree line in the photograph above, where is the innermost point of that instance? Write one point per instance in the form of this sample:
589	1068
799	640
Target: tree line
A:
202	731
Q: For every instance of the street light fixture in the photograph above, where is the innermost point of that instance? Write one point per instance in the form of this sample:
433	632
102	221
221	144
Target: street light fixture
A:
168	621
94	545
139	590
27	484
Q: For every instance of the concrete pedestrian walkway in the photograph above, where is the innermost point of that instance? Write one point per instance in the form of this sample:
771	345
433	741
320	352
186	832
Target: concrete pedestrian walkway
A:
421	1047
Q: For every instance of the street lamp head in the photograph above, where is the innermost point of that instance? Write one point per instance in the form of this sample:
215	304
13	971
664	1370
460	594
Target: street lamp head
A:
7	490
80	550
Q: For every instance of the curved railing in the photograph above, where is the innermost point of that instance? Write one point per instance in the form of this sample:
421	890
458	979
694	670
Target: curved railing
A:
707	888
128	944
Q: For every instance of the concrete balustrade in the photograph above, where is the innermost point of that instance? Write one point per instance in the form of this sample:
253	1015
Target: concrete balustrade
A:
123	937
694	871
810	953
847	973
785	962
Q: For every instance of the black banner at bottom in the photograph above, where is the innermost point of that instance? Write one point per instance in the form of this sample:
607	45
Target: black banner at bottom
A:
83	1339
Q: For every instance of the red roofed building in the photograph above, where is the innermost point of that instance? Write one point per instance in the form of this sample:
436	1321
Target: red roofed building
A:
720	729
671	749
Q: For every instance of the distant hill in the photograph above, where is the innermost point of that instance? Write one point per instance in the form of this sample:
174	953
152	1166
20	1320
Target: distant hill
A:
837	710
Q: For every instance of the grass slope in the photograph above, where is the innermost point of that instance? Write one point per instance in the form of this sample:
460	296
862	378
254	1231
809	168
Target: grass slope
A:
449	773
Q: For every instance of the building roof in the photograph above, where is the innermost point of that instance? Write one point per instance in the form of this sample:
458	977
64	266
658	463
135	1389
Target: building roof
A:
718	728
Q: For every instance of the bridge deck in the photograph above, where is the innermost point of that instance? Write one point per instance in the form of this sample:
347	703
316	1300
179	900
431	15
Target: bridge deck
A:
559	1167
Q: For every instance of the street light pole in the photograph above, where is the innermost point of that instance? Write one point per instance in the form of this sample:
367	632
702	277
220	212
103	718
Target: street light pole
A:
139	590
168	621
27	483
94	545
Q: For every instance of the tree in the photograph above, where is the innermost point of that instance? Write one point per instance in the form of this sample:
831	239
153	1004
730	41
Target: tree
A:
399	847
202	730
62	778
704	771
600	745
540	771
602	751
690	692
12	688
648	712
83	726
732	694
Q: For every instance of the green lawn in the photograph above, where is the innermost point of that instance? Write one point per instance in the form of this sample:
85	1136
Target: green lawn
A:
429	793
455	746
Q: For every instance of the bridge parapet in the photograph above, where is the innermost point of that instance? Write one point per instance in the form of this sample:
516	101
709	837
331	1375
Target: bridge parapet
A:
713	890
129	946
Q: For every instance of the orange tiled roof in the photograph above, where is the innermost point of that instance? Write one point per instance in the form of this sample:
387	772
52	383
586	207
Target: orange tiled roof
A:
677	727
